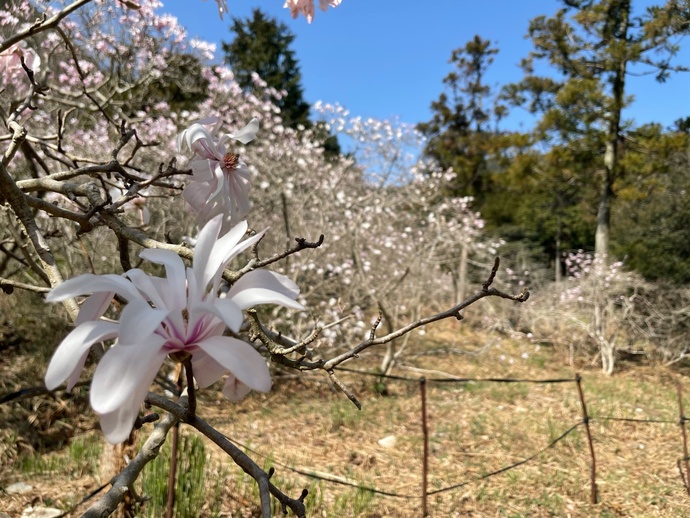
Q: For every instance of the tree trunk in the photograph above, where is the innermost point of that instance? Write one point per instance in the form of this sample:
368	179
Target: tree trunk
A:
611	171
612	151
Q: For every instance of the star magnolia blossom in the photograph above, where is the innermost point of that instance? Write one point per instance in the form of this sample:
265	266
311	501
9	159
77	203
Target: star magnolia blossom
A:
220	180
306	7
180	313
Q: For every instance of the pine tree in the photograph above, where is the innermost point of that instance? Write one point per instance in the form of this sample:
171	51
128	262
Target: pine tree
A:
460	133
263	45
594	44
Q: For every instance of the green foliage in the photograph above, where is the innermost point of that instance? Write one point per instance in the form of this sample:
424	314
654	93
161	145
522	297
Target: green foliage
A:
344	415
80	458
353	504
651	222
460	133
261	45
197	485
582	168
584	173
183	89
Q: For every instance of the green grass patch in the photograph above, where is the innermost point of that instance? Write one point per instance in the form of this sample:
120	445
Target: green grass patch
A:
198	485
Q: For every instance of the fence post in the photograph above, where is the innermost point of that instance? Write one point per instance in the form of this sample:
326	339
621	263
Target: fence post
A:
425	434
681	422
585	420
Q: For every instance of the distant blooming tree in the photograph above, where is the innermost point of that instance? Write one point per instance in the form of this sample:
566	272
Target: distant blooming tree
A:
92	140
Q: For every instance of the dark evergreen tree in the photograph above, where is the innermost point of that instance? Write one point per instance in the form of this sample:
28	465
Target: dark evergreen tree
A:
463	132
650	221
263	45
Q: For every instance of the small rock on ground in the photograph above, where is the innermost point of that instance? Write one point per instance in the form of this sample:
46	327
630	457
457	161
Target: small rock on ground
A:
18	488
41	512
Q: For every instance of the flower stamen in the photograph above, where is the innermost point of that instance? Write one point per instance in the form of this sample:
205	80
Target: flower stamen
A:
230	161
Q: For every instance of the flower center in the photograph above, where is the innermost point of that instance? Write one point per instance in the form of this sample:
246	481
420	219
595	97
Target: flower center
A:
230	161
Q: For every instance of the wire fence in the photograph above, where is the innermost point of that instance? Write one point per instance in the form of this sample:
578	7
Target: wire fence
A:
683	462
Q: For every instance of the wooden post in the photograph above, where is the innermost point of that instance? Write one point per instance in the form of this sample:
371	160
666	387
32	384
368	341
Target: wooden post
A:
425	460
681	422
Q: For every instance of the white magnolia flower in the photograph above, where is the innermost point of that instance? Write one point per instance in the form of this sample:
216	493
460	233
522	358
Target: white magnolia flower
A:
306	7
220	179
179	313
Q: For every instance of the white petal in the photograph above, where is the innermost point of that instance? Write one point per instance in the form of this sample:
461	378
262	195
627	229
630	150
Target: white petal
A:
241	359
203	170
138	321
175	272
234	389
267	280
196	194
205	242
264	287
124	375
237	194
222	250
68	360
193	134
227	310
144	283
247	134
89	283
118	424
241	247
254	296
225	247
206	370
94	307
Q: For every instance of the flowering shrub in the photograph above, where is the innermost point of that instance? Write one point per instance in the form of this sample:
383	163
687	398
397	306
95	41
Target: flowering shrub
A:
94	132
591	309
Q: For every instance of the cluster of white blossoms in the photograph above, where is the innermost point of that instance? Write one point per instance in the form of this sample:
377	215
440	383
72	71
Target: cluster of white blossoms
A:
181	314
297	7
306	7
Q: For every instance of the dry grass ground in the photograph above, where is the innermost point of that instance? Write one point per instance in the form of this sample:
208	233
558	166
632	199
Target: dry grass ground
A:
474	428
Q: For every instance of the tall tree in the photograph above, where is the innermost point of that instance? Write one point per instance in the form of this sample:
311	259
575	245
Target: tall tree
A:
460	133
651	217
595	44
262	45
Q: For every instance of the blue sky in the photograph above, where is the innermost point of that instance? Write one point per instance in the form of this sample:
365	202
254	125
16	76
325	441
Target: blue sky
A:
383	58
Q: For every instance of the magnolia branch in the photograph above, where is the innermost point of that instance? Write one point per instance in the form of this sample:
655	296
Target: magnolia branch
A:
9	283
42	24
123	482
17	201
252	469
279	352
454	312
302	244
